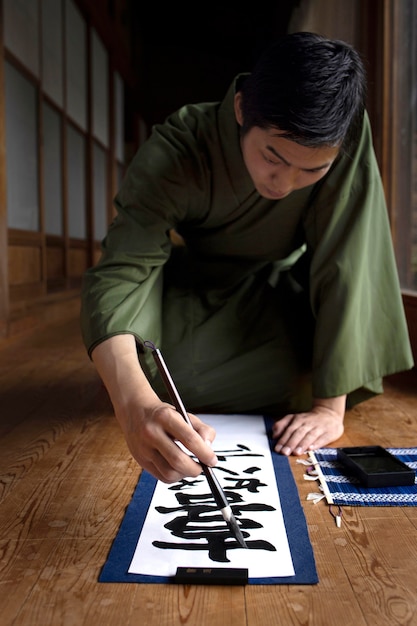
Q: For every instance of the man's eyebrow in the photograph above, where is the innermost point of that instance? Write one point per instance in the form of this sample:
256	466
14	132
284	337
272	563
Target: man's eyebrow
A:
304	169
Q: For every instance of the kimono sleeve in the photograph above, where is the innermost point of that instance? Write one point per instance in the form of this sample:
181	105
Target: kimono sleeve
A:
122	293
361	333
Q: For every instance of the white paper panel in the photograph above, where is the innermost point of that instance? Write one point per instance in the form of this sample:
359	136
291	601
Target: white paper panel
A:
76	184
21	37
100	90
100	196
21	151
119	117
52	173
182	527
52	55
76	61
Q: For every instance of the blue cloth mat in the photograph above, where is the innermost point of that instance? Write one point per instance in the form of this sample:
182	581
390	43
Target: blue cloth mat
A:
121	553
345	489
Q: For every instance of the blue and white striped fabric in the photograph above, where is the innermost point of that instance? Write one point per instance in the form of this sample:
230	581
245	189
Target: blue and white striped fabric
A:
346	489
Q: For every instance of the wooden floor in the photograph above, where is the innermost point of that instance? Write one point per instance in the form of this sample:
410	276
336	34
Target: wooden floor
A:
66	478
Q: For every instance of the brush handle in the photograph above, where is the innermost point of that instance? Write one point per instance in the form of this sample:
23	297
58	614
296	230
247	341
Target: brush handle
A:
215	487
218	493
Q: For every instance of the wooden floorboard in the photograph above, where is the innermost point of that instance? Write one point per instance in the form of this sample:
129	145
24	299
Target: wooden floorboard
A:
66	478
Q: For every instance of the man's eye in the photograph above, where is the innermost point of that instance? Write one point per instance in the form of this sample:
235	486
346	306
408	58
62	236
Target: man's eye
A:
268	160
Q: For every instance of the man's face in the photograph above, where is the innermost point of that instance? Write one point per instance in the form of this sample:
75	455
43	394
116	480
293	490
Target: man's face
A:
279	166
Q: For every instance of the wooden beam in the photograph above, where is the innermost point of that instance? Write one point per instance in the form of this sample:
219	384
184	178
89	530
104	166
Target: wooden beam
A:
4	289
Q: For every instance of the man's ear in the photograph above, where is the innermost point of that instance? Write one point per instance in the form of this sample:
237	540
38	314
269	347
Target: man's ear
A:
238	108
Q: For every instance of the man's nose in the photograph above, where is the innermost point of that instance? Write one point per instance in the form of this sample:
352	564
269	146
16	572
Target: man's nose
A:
286	181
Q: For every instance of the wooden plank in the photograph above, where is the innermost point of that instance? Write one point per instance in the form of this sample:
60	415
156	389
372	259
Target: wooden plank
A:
379	559
55	262
4	285
24	265
77	261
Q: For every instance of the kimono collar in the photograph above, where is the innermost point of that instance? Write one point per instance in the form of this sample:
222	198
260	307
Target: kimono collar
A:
229	135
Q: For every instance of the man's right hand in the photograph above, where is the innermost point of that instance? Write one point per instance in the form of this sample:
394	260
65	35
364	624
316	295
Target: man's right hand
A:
152	428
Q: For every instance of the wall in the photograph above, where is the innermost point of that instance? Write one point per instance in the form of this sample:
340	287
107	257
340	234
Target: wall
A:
337	19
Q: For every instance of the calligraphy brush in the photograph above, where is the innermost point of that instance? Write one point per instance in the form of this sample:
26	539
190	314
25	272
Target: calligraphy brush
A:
217	491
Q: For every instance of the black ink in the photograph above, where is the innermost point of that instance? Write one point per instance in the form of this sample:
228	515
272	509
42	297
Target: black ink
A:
252	470
185	483
199	521
217	547
250	484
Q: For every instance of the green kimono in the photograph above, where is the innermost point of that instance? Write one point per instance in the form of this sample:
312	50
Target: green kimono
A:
268	303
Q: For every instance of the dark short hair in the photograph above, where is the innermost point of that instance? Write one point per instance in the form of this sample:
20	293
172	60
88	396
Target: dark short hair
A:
311	88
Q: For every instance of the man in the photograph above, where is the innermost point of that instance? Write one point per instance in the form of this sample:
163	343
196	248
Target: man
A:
282	297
